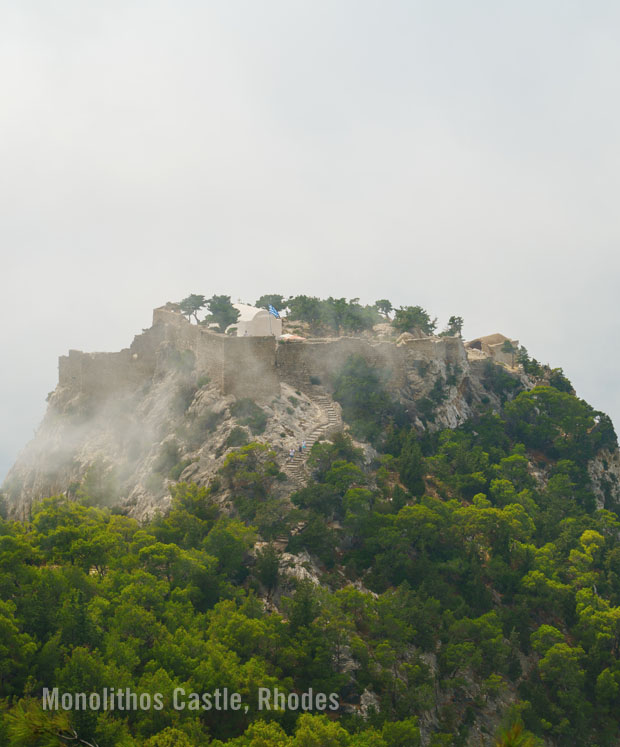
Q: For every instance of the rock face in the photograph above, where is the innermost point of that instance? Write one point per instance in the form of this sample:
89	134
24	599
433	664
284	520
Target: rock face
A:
173	404
604	472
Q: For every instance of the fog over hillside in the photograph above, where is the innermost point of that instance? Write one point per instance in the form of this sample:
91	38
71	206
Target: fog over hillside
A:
460	157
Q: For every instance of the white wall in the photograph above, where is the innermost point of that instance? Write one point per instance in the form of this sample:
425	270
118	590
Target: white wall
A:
263	325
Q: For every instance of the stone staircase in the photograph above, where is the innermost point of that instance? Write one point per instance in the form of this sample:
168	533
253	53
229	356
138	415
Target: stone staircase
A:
331	421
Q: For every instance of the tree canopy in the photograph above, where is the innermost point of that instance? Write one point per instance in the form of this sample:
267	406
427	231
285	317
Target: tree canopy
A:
191	305
455	579
409	318
271	299
221	312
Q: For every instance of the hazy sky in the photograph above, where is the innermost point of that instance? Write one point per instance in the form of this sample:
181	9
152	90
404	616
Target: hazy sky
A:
464	156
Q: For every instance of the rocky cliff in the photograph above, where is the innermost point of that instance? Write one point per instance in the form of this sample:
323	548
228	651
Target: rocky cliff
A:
123	426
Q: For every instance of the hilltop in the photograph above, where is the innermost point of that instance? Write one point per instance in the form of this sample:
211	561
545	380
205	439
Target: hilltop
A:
443	554
175	403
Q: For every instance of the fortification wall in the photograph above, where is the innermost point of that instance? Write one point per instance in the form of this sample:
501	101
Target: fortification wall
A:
168	315
207	347
150	354
444	349
249	368
243	366
296	362
98	373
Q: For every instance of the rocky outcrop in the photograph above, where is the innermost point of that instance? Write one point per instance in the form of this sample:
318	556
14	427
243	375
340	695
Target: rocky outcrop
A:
124	426
127	449
604	471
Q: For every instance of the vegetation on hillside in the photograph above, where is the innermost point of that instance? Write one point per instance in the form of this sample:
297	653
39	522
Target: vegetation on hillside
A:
461	580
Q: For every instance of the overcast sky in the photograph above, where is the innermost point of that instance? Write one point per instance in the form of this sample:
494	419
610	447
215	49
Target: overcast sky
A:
464	156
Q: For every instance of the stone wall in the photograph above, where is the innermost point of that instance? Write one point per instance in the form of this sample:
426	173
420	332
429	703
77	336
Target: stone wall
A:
445	349
207	347
249	367
98	373
244	366
491	346
297	362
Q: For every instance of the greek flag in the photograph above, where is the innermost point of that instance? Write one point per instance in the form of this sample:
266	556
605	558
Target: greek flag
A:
273	312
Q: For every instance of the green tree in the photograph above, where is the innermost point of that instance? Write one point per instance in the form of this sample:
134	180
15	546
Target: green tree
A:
221	312
384	306
321	498
191	305
411	465
16	651
357	318
30	726
305	309
408	318
516	736
510	349
559	381
169	737
319	731
268	567
454	327
229	541
401	733
366	404
271	299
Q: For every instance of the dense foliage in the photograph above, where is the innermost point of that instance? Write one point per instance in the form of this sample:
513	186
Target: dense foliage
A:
466	577
221	312
333	315
410	318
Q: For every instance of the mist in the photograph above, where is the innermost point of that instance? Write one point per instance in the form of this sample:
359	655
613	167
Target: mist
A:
462	158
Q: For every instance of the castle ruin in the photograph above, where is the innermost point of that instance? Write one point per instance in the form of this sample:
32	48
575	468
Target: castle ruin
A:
244	366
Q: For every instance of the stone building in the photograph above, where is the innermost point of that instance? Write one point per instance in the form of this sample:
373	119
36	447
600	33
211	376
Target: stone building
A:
494	346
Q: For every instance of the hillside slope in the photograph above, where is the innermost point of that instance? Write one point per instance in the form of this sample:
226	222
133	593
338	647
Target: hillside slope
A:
444	557
167	407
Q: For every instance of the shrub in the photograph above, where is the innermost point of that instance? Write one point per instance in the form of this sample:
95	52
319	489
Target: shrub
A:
426	409
366	405
497	380
202	425
237	437
268	567
178	468
560	382
249	413
203	381
167	458
183	397
452	374
438	393
422	368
